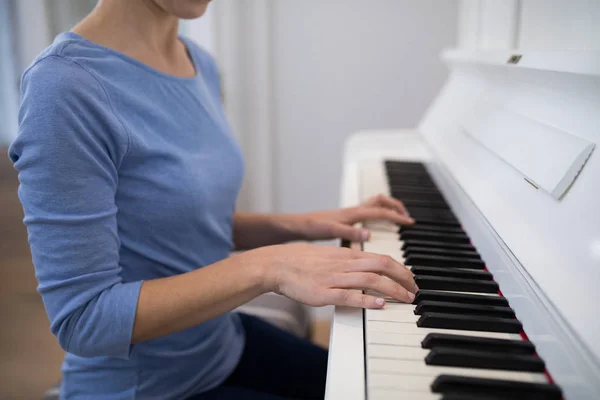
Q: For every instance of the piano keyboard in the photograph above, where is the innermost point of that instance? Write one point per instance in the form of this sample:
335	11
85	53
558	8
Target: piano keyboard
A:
459	339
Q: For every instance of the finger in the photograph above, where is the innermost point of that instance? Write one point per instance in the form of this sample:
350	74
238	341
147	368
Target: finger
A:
346	232
380	213
384	265
351	298
373	281
388	202
324	230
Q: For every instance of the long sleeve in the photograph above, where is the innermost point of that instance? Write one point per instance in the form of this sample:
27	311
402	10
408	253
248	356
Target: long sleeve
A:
68	152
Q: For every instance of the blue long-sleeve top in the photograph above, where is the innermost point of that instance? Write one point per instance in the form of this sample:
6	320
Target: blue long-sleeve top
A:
126	174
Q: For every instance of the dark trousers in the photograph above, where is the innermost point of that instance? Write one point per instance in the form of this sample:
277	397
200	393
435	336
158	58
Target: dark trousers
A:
275	365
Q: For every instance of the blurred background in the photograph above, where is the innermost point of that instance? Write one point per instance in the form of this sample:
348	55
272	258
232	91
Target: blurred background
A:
298	77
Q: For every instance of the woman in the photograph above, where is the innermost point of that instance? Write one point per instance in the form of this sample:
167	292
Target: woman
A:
129	177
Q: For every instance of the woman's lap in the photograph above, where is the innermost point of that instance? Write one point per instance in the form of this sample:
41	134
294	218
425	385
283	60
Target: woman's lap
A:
236	393
275	365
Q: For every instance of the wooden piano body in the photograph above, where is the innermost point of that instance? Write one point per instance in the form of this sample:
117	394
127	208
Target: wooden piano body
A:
510	142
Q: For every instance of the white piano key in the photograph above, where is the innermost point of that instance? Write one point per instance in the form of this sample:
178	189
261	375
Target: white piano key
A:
419	368
396	352
383	247
383	227
402	384
412	329
373	179
445	291
383	237
406	315
414	340
387	235
393	394
398	307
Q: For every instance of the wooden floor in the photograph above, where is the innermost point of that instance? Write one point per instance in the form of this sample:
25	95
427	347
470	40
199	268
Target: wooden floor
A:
30	357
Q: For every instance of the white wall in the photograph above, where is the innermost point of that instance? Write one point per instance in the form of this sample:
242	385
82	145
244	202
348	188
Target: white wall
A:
33	29
529	24
201	30
8	78
345	65
301	76
560	25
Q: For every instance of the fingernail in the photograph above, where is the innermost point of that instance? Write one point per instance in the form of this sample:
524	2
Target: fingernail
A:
411	297
365	235
415	289
380	302
411	220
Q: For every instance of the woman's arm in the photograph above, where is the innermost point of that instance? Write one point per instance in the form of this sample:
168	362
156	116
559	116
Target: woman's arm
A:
68	152
255	230
311	274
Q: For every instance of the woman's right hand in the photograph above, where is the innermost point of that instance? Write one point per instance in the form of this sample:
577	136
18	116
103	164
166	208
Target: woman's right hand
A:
325	275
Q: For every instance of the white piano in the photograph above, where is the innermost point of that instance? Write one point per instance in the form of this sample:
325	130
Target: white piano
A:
504	160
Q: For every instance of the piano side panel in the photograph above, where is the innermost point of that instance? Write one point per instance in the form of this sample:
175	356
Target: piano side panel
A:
557	241
346	364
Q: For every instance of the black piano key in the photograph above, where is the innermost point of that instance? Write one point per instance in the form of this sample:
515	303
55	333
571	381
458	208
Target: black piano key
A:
436	236
505	346
514	390
463	309
396	164
424	210
428	211
411	243
417	251
432	221
399	177
425	203
455	284
427	260
431	198
431	228
433	214
415	193
484	359
400	189
463	396
401	163
394	170
469	323
453	272
464	298
423	218
406	169
402	184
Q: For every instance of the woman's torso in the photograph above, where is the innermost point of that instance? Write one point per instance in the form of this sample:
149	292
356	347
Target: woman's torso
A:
176	193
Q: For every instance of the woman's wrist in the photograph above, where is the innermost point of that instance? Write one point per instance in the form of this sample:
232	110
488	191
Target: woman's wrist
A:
257	268
291	226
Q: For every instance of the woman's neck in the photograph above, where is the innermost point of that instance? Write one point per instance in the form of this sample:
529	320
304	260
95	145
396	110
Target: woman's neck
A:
141	22
139	29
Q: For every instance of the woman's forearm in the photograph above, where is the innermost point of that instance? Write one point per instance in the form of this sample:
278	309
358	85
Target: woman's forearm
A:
172	304
251	231
314	275
255	230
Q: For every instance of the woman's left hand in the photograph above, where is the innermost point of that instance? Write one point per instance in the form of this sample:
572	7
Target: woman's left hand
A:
334	224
